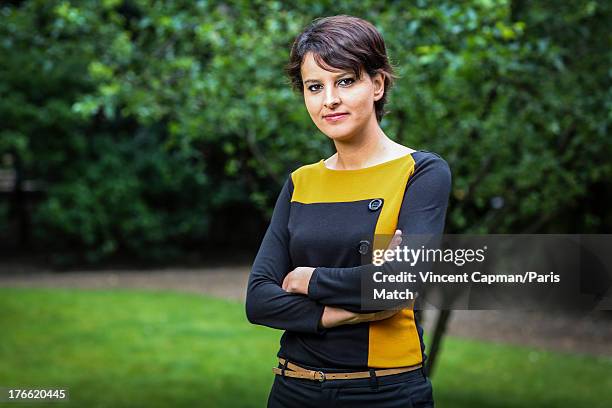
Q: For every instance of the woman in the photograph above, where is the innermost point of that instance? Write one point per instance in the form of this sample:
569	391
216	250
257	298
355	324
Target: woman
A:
306	278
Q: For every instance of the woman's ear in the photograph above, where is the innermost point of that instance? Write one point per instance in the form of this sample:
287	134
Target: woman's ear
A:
378	81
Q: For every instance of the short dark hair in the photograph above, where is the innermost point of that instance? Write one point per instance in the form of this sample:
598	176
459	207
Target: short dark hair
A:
343	43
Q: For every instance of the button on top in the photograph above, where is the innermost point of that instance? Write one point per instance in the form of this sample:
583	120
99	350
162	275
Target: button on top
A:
364	247
375	204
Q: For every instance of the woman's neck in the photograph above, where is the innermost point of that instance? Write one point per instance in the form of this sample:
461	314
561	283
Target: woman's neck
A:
368	149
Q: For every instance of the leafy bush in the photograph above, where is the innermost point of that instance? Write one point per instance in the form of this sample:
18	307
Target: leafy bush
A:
144	118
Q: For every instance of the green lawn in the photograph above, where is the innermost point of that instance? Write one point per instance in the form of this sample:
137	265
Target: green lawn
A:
139	348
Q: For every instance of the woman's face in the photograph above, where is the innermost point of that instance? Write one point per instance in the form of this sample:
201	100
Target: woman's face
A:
341	105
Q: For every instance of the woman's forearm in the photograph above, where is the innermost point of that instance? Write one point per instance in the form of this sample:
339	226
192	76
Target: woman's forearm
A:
335	316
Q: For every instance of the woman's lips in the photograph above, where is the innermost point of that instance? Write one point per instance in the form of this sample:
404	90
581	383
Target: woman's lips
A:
335	117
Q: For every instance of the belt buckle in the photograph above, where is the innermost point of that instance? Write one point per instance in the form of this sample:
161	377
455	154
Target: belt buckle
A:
322	376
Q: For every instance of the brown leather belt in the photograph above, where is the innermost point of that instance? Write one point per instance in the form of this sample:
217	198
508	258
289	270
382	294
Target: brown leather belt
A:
295	371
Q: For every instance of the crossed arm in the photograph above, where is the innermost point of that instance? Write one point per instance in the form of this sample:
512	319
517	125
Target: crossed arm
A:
298	281
313	299
270	304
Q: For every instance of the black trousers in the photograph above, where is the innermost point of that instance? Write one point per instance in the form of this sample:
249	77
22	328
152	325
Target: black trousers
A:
407	390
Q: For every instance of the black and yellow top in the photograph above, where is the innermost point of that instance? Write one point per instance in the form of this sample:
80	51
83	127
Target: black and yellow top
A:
319	220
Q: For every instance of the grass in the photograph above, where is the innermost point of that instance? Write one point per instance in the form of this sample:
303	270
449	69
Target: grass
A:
123	348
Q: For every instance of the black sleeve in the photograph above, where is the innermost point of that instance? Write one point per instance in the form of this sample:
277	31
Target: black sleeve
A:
423	211
267	303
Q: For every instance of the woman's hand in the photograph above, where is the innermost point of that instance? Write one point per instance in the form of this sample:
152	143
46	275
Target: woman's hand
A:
335	316
297	280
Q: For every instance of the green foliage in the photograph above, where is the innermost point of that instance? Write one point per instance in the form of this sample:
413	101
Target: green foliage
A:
142	117
514	97
132	195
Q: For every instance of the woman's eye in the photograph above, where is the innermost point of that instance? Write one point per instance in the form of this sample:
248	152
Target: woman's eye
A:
344	82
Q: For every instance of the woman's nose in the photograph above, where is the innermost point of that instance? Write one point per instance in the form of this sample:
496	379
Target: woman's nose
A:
331	98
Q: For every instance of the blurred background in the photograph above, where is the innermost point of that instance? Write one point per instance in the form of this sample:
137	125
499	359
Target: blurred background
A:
143	144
